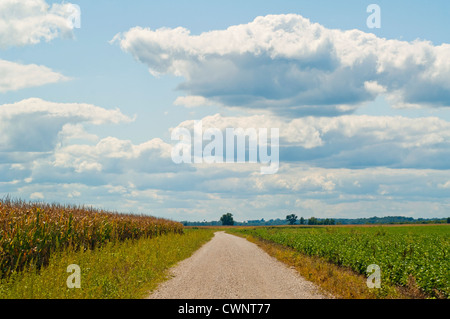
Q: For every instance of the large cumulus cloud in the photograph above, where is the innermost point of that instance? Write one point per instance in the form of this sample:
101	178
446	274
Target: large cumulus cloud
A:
291	66
45	142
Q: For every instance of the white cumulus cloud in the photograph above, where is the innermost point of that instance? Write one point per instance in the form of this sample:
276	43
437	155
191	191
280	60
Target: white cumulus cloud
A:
291	66
15	76
25	22
33	125
350	141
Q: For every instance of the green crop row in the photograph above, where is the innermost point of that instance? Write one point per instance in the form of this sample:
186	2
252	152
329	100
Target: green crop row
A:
404	254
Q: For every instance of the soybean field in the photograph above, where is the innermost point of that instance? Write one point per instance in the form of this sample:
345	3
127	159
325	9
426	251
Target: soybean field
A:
405	254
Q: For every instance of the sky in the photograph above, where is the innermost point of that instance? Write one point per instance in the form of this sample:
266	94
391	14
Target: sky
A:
87	111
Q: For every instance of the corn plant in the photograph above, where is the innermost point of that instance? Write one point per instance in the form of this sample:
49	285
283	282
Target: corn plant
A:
30	232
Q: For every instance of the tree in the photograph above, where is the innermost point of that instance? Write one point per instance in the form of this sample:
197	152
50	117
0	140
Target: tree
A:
302	221
292	218
227	219
313	221
327	222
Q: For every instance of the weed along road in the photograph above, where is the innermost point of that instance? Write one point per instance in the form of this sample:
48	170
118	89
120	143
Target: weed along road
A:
230	267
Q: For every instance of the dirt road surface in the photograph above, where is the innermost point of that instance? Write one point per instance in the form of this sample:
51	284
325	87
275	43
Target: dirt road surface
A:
230	267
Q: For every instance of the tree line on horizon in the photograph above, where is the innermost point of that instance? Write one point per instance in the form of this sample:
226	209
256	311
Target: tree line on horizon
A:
291	219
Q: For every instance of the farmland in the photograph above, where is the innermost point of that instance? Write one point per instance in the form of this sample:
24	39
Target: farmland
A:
31	232
126	255
120	255
418	254
119	270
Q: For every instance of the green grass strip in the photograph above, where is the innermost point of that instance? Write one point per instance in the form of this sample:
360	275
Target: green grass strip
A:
126	270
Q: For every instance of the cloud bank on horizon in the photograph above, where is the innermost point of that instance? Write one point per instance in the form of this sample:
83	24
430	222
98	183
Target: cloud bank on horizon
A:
282	71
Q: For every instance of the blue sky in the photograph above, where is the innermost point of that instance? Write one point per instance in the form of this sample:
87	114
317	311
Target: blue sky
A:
364	114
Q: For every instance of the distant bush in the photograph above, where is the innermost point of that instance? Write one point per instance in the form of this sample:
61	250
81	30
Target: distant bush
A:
227	219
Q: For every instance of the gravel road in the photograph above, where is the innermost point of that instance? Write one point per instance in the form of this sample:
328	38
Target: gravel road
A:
230	267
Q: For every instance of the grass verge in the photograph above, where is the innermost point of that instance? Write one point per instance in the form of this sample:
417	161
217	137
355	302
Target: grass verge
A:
124	270
337	281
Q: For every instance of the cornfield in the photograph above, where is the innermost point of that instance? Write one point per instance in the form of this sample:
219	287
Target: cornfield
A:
31	232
